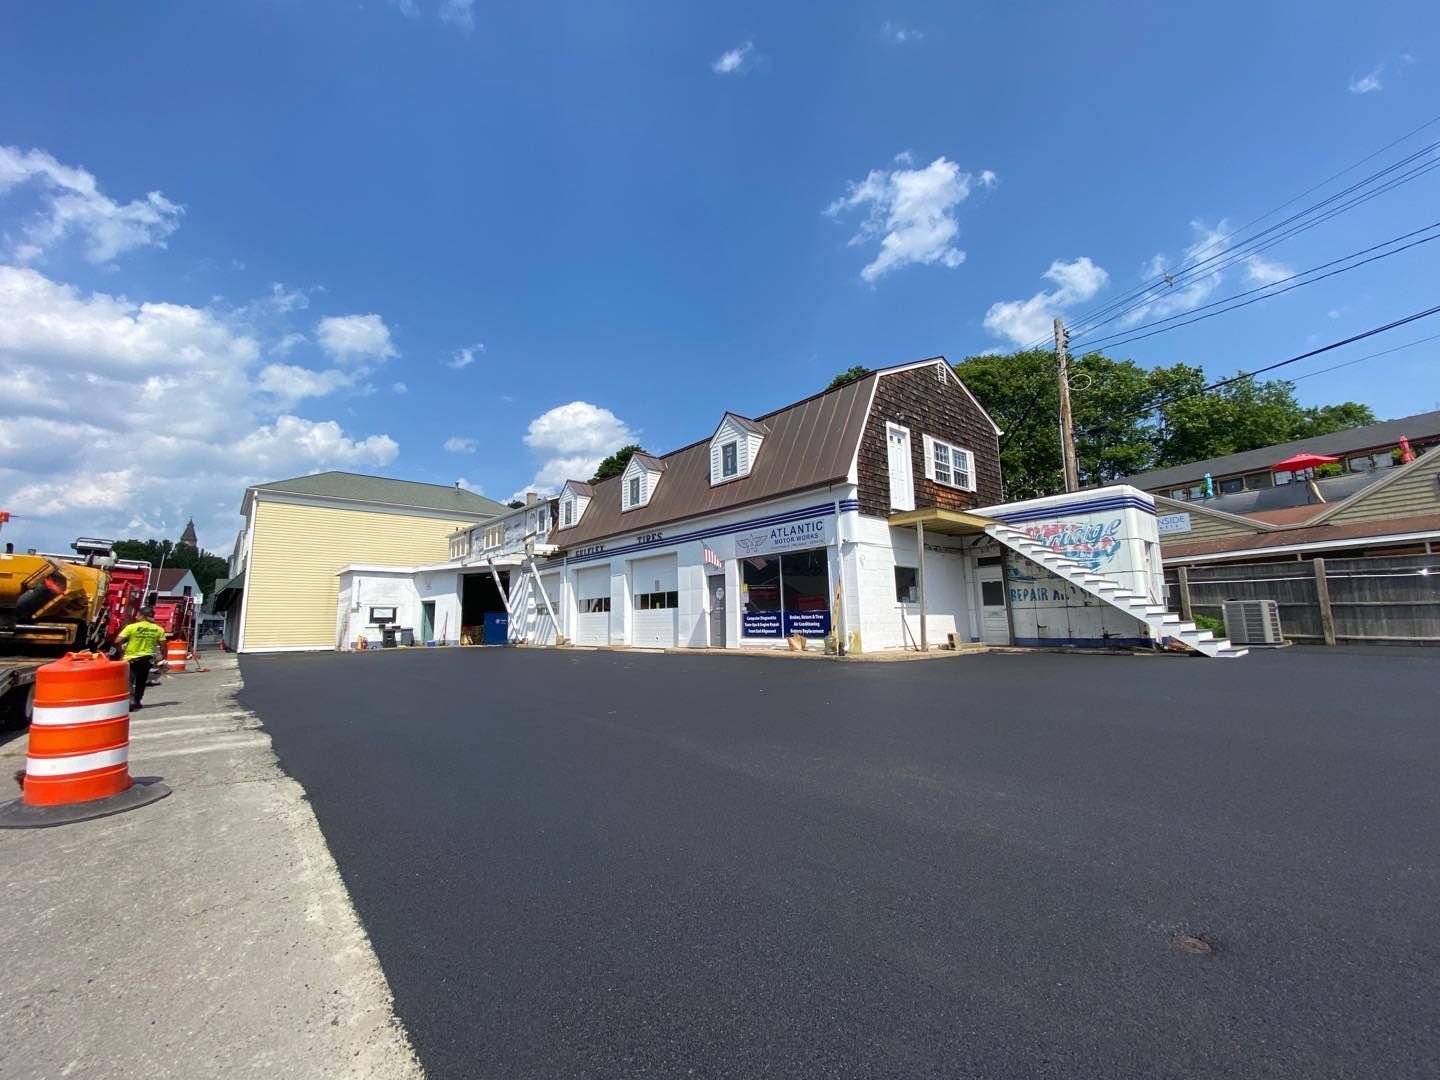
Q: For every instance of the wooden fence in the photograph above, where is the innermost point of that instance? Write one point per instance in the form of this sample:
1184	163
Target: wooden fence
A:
1391	600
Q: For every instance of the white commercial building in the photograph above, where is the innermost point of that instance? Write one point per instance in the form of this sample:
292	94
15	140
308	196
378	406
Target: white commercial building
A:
868	516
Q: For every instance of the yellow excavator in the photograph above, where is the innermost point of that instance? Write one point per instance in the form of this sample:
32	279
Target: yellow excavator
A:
49	605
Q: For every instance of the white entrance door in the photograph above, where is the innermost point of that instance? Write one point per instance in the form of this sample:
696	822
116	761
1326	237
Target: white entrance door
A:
592	605
654	587
902	478
990	575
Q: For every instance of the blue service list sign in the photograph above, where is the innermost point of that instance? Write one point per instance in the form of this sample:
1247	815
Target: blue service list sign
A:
760	623
807	623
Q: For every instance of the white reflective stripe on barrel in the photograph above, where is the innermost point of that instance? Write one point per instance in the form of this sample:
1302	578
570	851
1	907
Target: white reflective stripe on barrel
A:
76	763
81	714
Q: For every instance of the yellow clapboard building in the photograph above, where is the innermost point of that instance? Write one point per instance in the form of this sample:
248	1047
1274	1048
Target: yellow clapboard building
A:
283	589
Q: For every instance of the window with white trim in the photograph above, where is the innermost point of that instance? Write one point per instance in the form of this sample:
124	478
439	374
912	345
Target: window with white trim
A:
730	459
567	513
635	490
948	464
495	536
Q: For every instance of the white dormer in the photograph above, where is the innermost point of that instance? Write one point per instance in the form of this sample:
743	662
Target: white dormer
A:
574	498
638	482
734	447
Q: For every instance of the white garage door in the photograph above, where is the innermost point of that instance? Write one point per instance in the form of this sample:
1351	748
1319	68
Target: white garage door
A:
592	621
655	587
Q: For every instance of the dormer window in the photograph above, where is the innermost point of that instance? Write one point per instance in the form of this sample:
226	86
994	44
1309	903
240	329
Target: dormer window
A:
639	481
734	448
574	498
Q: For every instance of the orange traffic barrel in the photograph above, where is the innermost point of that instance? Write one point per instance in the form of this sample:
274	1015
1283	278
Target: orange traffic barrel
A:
77	765
175	654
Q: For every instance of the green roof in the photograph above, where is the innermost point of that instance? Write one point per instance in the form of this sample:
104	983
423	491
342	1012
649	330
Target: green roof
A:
355	487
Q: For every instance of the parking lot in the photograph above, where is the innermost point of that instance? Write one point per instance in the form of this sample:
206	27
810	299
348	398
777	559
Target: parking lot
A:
614	864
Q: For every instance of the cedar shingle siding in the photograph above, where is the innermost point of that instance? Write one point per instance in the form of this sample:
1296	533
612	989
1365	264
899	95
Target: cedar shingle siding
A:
918	400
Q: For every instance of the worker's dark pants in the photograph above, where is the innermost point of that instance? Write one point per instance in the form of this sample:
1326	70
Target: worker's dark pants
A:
139	676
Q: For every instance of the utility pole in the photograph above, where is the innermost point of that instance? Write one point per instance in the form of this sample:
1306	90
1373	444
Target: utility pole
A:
1067	425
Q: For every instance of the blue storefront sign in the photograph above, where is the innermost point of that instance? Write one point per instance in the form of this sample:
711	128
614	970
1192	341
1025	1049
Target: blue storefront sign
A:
808	624
760	624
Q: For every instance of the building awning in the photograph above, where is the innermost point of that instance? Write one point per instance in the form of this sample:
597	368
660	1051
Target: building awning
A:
236	585
934	519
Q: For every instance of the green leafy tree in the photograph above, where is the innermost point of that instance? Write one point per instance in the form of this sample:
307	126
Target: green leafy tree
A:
850	374
615	464
1129	419
516	504
208	568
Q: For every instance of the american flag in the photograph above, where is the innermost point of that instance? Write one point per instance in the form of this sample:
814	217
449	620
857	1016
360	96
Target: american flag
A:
711	559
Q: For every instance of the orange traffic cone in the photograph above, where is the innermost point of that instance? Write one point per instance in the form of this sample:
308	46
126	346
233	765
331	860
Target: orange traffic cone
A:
175	652
78	762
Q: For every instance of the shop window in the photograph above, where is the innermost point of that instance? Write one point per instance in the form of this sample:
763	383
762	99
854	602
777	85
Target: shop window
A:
949	465
1232	486
786	594
591	605
655	601
380	616
1183	494
1283	476
907	585
730	459
1258	481
992	593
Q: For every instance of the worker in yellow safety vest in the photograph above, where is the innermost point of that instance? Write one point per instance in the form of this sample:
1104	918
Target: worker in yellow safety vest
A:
140	640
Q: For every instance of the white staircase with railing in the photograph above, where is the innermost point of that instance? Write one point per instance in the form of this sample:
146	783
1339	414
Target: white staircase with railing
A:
1164	624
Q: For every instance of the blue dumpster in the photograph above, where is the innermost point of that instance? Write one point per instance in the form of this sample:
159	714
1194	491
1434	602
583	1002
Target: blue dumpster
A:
497	628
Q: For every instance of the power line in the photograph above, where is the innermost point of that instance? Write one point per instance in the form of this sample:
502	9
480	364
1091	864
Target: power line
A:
1174	398
1269	290
1090	316
1251	246
1367	356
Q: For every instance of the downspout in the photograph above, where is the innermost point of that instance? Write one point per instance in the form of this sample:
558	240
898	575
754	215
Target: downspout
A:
840	622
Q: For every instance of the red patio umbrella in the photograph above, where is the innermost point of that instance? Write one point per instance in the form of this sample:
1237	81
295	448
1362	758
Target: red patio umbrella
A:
1304	461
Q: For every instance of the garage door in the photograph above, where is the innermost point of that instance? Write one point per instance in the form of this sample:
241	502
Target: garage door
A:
655	587
592	591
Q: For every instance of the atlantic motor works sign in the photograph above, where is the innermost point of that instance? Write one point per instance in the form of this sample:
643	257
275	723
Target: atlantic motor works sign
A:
806	533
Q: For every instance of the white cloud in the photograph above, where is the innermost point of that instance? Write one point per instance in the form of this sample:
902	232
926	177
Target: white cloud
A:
463	358
71	203
399	388
1198	284
290	384
407	8
1026	321
733	60
1260	271
1369	82
901	34
912	211
123	415
459	14
468	486
459	444
574	439
286	345
353	339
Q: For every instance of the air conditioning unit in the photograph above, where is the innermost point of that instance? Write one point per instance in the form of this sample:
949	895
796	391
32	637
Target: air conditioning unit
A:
1253	622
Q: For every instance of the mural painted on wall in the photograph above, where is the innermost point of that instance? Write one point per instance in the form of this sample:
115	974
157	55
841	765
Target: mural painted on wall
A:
1091	545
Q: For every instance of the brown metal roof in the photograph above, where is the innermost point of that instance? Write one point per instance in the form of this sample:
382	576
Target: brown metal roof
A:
748	424
650	461
810	444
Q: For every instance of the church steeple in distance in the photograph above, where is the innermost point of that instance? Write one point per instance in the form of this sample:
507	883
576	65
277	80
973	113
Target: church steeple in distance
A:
188	536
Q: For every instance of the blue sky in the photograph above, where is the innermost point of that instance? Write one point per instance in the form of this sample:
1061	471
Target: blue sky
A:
634	217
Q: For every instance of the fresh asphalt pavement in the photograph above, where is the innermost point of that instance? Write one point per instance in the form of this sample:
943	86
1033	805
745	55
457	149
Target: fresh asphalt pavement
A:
602	864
